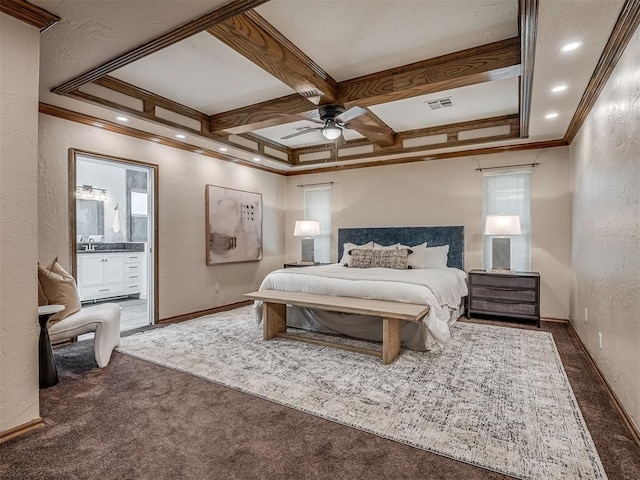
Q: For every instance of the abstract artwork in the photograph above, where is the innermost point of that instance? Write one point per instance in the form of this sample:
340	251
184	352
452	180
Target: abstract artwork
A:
234	225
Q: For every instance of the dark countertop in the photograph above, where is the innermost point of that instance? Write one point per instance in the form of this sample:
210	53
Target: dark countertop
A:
111	247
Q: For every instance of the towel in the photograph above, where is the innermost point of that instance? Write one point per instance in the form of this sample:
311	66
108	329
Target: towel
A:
116	222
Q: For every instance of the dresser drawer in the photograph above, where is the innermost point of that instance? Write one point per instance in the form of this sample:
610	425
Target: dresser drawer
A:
504	281
504	308
131	268
505	294
133	257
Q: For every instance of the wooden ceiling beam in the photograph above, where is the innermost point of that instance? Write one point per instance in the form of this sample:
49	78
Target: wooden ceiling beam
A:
450	130
475	65
254	38
29	13
193	27
468	67
528	13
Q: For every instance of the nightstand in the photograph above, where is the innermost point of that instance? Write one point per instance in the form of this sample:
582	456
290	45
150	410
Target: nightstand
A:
302	264
513	294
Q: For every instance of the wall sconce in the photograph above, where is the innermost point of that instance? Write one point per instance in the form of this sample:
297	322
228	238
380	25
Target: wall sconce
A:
502	226
307	229
87	192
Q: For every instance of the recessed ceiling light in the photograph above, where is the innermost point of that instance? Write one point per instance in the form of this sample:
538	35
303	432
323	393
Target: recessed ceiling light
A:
571	46
122	119
551	115
179	135
256	159
222	149
559	88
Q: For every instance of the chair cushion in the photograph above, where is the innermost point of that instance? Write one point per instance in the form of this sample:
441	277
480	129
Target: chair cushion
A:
60	289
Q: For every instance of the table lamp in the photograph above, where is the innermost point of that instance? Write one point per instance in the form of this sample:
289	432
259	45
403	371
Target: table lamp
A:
307	229
502	226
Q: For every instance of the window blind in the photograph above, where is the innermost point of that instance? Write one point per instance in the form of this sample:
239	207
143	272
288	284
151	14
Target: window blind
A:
317	206
509	194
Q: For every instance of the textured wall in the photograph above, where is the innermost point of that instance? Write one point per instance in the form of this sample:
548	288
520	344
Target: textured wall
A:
449	192
606	222
19	52
186	283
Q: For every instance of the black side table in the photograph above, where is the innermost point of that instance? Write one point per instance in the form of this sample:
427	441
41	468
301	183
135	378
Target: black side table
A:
46	364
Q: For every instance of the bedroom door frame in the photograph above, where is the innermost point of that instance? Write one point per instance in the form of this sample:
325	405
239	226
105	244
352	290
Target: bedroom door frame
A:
74	153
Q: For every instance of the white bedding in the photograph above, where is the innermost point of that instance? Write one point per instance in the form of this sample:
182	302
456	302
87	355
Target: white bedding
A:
440	288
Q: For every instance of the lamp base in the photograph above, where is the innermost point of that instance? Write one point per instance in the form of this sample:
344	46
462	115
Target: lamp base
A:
308	245
501	254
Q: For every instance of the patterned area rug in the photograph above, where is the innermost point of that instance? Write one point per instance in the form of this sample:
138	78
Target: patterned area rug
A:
496	397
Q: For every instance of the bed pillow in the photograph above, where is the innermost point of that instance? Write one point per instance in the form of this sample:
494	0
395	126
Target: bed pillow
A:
60	289
347	247
377	246
372	258
417	255
436	257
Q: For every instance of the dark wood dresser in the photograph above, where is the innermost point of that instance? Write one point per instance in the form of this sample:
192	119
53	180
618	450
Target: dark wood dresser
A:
513	294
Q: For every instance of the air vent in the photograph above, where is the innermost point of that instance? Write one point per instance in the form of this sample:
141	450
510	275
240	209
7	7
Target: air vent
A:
440	103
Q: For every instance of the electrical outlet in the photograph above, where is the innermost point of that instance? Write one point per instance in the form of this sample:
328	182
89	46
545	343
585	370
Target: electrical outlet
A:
600	340
586	315
216	287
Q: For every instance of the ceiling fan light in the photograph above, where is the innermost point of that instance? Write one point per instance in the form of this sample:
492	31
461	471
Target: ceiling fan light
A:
331	131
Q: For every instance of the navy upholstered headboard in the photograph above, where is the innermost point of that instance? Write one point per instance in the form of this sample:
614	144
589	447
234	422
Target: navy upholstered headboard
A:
434	236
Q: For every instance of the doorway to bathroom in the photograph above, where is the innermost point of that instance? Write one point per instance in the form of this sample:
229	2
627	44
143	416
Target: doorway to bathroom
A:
113	224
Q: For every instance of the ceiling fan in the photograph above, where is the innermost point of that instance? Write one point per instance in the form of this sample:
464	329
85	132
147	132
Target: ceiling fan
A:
334	118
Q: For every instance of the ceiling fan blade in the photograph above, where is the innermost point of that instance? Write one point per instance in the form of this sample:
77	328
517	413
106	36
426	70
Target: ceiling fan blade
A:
301	132
350	114
297	118
367	128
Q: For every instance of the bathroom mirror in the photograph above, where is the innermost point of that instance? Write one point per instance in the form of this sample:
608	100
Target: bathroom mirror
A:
89	217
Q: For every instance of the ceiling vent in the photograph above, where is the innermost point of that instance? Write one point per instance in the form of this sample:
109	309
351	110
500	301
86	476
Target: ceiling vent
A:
440	103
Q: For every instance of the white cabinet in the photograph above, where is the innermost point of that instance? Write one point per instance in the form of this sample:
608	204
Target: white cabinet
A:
104	275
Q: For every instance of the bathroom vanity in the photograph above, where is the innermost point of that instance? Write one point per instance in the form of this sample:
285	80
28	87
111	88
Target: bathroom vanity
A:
110	270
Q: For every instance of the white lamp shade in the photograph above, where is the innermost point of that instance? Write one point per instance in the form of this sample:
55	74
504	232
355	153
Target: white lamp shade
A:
306	228
502	225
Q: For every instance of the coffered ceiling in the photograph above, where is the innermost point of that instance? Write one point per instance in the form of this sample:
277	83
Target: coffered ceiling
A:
431	76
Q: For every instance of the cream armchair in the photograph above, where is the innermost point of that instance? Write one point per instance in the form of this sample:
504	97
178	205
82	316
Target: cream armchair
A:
103	319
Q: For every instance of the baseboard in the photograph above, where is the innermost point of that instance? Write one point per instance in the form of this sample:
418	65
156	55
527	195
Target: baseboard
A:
635	433
208	311
20	429
554	319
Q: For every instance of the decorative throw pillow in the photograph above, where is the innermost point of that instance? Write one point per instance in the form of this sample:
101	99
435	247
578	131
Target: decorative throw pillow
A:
42	298
370	258
60	289
417	255
347	247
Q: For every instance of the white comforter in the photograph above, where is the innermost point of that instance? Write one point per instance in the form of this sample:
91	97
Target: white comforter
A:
440	288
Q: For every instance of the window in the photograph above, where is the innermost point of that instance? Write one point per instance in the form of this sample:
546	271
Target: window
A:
509	194
317	206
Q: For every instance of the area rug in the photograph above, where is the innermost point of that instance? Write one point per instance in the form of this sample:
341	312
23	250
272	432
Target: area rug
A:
495	397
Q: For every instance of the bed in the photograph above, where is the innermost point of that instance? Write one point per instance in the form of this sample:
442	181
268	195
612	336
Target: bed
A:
443	288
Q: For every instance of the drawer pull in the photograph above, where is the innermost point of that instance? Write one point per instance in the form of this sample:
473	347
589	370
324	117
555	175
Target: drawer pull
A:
133	266
133	286
132	276
133	257
104	290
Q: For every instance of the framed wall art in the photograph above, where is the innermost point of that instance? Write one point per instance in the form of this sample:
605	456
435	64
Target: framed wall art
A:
233	225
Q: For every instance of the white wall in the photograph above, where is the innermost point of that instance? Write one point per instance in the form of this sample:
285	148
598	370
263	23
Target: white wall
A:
606	230
186	282
19	57
449	192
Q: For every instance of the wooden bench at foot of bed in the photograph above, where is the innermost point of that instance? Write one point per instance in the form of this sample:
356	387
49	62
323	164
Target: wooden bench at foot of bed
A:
392	313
